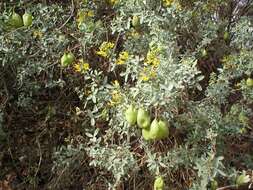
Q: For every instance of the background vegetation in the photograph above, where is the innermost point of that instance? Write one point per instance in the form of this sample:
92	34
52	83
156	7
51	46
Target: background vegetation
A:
190	62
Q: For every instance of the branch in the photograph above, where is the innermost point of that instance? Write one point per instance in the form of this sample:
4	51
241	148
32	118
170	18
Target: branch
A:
227	187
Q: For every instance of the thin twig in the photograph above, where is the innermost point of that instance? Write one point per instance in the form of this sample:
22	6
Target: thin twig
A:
116	42
40	160
227	187
71	15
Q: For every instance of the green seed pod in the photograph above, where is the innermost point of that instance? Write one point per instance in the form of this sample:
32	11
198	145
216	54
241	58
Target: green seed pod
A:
16	20
131	115
136	21
71	58
146	134
143	118
214	185
226	36
64	60
159	183
242	179
249	82
27	19
159	129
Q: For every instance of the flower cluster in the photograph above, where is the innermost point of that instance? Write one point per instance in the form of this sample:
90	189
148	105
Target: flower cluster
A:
81	66
123	57
113	2
152	57
152	61
37	34
167	3
105	48
148	73
83	15
116	97
133	34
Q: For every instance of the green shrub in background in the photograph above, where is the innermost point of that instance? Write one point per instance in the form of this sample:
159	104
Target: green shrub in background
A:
188	63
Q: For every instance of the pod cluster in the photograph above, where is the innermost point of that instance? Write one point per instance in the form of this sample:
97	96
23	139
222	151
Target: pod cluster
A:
17	21
155	130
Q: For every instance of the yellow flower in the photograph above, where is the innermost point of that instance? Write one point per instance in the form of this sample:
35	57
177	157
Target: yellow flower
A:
167	3
87	92
144	74
116	98
116	84
229	66
90	13
102	53
144	77
82	16
178	6
148	73
156	62
226	59
81	66
113	2
37	33
152	58
243	130
109	45
120	62
104	49
152	73
135	34
123	57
